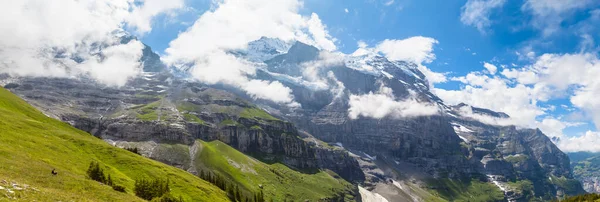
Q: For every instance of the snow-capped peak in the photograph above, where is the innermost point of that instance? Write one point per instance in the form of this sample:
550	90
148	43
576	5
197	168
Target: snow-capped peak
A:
265	48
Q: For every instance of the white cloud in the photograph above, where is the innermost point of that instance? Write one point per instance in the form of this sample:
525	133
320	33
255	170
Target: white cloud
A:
141	16
467	111
477	12
522	76
490	67
389	3
362	44
270	90
432	77
588	142
549	14
495	93
231	24
519	92
320	34
312	70
416	49
34	32
346	10
383	104
120	63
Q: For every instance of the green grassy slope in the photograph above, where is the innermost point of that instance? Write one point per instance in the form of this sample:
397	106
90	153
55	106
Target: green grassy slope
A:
455	190
279	182
31	145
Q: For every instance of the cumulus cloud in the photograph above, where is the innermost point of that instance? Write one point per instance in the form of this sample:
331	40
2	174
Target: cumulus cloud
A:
120	62
41	38
518	101
231	25
477	12
418	50
141	16
383	104
467	111
549	14
522	76
490	67
586	142
519	92
312	70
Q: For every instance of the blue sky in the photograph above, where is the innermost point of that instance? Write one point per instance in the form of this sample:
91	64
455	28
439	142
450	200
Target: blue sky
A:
461	49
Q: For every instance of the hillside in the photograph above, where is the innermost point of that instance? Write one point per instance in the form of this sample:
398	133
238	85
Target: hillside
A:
278	182
31	145
586	168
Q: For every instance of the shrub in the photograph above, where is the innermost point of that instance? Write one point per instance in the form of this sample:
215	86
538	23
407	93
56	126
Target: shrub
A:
119	188
95	172
149	189
134	150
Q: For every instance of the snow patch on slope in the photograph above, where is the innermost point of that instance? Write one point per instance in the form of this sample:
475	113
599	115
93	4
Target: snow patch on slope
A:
405	190
368	196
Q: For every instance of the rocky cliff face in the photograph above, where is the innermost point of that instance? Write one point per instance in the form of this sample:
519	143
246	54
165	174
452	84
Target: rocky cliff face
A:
155	109
586	168
446	145
511	156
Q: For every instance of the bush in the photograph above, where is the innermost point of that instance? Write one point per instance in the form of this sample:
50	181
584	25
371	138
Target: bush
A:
149	189
167	198
134	150
585	197
119	188
95	172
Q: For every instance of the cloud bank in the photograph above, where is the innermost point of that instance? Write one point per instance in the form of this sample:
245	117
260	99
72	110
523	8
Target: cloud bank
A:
417	49
383	104
522	92
231	25
70	39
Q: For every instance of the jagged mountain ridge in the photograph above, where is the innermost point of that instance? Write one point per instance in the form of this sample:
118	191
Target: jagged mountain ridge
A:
446	145
418	140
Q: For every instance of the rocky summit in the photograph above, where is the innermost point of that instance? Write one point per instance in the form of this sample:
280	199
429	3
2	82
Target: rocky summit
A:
439	152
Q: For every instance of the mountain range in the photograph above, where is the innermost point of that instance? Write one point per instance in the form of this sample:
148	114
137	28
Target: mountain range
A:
360	128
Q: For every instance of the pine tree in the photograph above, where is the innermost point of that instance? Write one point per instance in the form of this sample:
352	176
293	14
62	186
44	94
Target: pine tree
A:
109	181
238	196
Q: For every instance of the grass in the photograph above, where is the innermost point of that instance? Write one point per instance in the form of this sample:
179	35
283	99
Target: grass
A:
193	118
174	153
148	112
279	182
524	187
585	197
229	122
31	145
456	190
256	113
516	158
569	185
186	106
589	167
